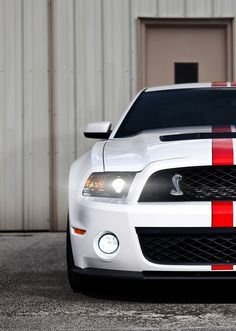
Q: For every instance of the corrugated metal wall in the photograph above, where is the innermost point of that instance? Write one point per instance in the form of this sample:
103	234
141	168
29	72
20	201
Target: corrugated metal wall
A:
95	76
24	162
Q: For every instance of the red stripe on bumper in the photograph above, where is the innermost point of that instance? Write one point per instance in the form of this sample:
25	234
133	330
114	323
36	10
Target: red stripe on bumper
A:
222	267
222	214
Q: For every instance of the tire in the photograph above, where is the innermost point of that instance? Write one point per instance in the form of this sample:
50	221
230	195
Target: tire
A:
76	281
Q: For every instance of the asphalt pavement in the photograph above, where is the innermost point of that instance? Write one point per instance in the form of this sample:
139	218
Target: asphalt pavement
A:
35	295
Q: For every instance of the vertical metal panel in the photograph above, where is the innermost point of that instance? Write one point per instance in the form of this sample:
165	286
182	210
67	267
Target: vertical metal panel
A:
172	8
89	50
64	101
224	8
144	8
36	116
200	8
24	167
2	115
52	113
117	88
11	117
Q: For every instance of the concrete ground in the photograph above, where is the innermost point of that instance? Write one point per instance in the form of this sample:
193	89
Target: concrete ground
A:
35	295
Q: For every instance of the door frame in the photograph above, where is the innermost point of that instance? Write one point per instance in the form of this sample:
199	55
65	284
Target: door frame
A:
144	23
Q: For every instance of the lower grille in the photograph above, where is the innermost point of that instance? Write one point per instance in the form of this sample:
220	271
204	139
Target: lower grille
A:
188	246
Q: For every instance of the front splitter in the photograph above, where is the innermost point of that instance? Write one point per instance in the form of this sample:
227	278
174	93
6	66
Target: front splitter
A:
155	275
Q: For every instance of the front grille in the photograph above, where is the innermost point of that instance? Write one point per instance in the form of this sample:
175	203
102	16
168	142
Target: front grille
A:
208	183
188	246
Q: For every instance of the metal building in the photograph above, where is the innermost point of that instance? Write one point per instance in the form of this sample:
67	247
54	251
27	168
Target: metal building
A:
64	63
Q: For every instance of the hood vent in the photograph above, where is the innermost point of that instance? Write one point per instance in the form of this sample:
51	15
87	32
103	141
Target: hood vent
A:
197	135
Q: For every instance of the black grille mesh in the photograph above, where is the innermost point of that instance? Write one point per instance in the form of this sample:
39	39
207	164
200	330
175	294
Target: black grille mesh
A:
196	246
209	183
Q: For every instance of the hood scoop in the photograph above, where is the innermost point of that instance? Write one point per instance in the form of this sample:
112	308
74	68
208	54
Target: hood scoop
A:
197	135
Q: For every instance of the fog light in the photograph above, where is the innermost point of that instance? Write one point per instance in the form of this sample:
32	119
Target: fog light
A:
108	243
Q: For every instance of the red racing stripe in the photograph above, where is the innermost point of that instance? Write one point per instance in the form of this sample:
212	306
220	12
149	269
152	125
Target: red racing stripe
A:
222	149
222	211
222	267
222	128
222	214
218	84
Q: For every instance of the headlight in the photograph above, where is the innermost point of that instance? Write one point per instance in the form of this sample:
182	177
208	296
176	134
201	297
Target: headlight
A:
108	184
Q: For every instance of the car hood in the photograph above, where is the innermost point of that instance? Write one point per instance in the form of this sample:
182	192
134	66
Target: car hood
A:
136	152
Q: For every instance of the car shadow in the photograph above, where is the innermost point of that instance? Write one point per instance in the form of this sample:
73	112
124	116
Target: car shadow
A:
190	291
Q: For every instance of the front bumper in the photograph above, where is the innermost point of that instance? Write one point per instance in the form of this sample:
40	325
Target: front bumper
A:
154	275
122	219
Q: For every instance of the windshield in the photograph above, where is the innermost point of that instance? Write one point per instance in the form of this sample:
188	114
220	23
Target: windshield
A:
180	108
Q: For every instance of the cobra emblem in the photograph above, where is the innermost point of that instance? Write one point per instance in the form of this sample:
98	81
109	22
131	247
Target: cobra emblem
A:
176	182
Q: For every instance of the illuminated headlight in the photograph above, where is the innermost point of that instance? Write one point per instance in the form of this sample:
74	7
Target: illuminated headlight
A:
108	243
108	184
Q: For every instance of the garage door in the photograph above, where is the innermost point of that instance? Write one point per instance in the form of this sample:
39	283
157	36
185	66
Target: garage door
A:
179	51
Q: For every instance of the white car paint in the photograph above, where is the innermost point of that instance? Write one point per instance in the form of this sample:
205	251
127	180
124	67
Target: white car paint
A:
145	154
102	127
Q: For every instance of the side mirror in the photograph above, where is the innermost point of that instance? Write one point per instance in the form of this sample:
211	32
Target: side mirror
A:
98	130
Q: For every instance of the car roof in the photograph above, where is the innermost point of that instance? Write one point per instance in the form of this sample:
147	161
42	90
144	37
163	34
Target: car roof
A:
190	85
